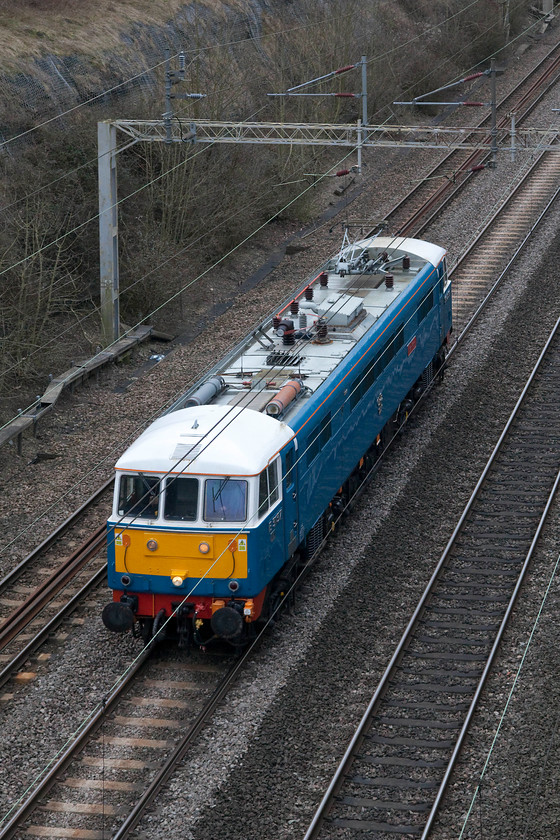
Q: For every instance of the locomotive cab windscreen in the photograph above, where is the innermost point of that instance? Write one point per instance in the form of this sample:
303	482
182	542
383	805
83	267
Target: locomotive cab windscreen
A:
225	500
182	498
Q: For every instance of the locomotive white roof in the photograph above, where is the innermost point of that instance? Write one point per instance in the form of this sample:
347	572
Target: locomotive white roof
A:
209	440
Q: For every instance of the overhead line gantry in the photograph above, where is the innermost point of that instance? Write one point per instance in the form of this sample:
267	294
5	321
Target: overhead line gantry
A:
189	131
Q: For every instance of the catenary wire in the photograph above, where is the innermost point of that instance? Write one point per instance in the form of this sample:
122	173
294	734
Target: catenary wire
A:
155	413
223	257
124	198
145	275
115	684
363	38
95	217
94	160
96	309
211	267
169	259
45	513
198	50
255	389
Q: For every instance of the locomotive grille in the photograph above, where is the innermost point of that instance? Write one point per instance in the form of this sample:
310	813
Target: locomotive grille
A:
315	536
186	451
427	375
283	359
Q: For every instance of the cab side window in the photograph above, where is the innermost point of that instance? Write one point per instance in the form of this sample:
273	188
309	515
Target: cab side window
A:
290	471
268	488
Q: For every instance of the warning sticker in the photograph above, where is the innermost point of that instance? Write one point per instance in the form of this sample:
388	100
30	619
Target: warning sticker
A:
242	544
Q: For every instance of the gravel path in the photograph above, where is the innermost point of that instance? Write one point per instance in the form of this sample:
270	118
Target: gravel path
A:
261	767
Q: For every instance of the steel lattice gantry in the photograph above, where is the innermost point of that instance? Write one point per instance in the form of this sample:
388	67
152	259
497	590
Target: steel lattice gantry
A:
348	135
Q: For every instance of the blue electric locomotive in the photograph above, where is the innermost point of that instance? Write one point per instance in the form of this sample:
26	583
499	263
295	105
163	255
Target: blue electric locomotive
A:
218	501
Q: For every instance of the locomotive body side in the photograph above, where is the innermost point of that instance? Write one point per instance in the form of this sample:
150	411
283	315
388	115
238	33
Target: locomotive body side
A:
241	478
357	404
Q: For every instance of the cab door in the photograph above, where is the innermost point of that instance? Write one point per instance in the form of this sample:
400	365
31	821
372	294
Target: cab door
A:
445	305
291	498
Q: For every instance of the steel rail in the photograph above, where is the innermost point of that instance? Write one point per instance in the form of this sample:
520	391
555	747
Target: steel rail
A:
20	658
29	608
22	567
167	770
163	776
178	753
503	625
512	260
505	204
495	646
338	777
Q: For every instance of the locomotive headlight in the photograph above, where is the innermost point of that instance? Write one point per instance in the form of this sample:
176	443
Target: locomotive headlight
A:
204	548
151	545
177	580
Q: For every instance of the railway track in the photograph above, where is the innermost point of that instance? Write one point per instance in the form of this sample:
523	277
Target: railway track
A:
394	773
30	613
128	747
63	818
43	563
138	732
501	239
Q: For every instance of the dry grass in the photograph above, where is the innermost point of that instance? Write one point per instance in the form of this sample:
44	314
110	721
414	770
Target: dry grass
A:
61	27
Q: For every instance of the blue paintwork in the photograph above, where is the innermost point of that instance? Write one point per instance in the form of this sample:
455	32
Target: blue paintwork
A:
354	430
